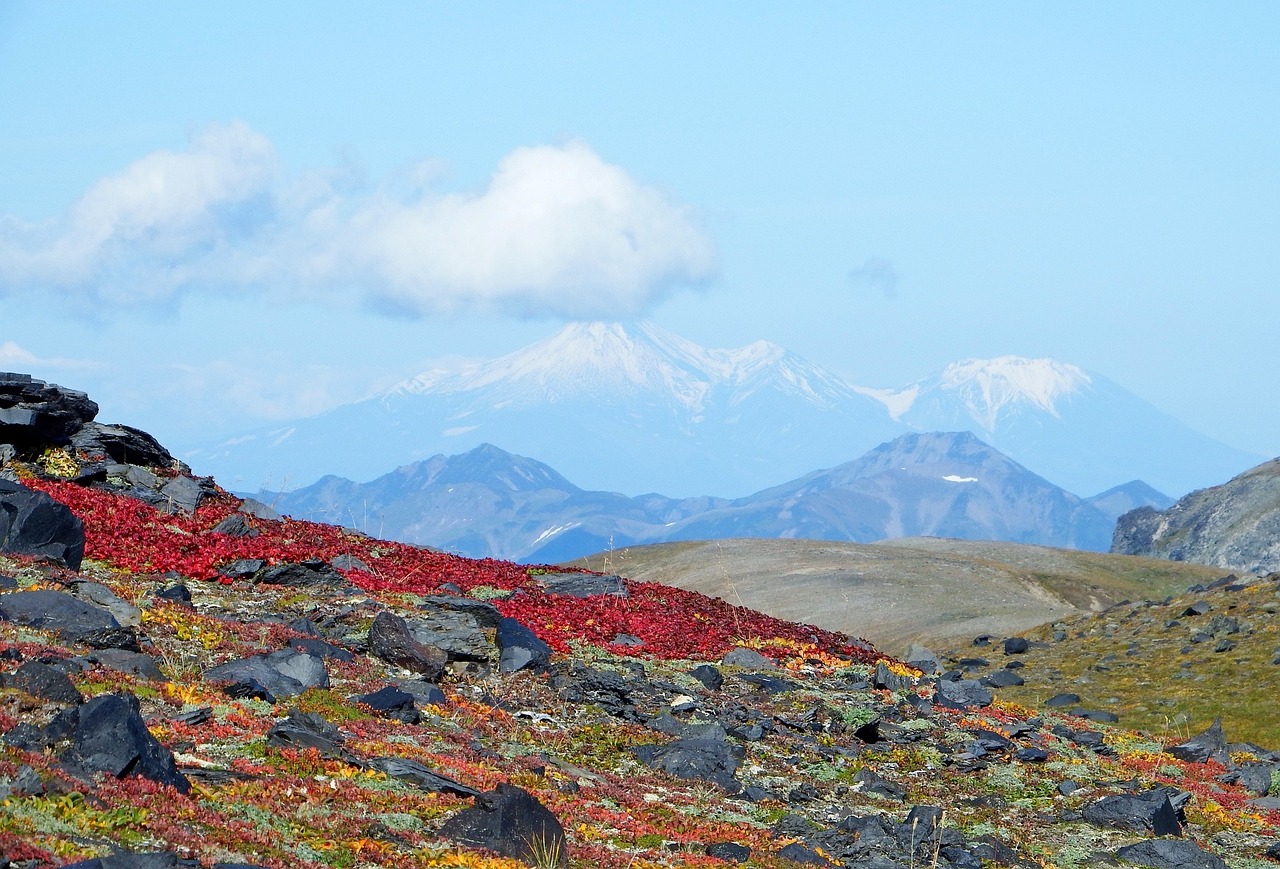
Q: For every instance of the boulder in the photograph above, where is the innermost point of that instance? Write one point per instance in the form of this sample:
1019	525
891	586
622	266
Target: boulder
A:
391	640
519	648
57	611
125	661
420	776
304	730
581	584
709	676
1170	854
40	680
456	633
130	860
32	523
962	693
301	575
510	821
123	444
701	758
391	702
128	615
485	614
33	412
1150	812
1209	745
281	674
111	737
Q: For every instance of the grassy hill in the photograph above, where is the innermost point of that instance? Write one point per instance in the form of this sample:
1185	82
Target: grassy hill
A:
927	590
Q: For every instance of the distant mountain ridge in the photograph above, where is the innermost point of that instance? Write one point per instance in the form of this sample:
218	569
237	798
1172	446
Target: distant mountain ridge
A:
636	409
488	502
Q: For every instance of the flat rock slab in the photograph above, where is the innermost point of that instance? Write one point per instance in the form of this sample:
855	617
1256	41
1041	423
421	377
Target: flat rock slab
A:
1170	854
284	674
1151	812
581	584
56	611
519	648
712	760
457	633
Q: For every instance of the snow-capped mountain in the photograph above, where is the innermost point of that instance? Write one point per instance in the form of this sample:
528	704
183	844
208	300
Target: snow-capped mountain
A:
624	409
1079	429
636	409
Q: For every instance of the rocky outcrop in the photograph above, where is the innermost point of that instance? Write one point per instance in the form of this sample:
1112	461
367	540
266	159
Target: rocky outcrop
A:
1235	526
33	412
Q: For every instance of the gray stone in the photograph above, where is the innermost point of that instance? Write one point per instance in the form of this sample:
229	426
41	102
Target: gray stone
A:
390	640
1170	854
122	443
747	658
420	776
962	693
922	658
56	611
712	760
124	661
128	615
486	614
41	680
283	674
183	495
581	584
259	510
457	633
1150	812
1209	745
33	412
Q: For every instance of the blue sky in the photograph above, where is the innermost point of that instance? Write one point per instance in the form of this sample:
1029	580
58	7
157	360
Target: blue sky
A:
213	216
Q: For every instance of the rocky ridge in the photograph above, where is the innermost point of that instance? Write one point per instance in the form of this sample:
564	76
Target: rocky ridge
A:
1234	526
216	687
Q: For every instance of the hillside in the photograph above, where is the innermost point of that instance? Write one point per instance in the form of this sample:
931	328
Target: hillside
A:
1233	526
925	590
187	681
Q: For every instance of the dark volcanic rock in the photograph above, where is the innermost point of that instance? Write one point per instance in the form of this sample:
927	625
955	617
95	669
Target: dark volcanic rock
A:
1170	854
420	776
962	693
283	674
33	412
1209	745
705	759
485	613
301	575
307	730
511	822
1149	812
582	584
130	860
55	611
392	702
122	443
111	737
390	640
454	632
32	523
519	648
41	680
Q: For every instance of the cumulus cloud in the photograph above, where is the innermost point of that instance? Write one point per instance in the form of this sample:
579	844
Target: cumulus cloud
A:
878	275
557	231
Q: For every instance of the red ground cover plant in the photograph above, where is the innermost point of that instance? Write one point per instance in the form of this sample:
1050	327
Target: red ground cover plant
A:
672	623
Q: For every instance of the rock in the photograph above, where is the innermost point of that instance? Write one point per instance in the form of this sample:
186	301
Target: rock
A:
1209	745
1149	812
1199	608
123	444
922	658
125	661
486	615
125	639
300	575
1016	645
390	640
349	562
885	678
455	632
1170	854
183	495
803	855
303	730
1059	700
519	648
962	693
1002	679
321	649
581	584
235	525
32	523
56	611
282	674
255	508
33	412
411	771
178	593
869	782
730	852
130	860
242	568
391	702
747	659
128	615
704	759
41	680
111	737
510	821
711	678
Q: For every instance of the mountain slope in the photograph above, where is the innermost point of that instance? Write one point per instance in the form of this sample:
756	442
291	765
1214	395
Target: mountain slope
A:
1235	526
490	503
932	591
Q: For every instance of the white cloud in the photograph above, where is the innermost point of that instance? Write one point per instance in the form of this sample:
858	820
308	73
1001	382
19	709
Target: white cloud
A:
556	231
14	357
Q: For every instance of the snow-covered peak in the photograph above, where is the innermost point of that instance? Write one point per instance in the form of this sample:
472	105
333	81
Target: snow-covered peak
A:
988	386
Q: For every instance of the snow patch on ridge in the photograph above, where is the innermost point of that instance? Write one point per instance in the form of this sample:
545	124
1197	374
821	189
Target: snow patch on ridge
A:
988	386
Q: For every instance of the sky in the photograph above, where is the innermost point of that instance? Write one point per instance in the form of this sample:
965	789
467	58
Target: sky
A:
214	216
